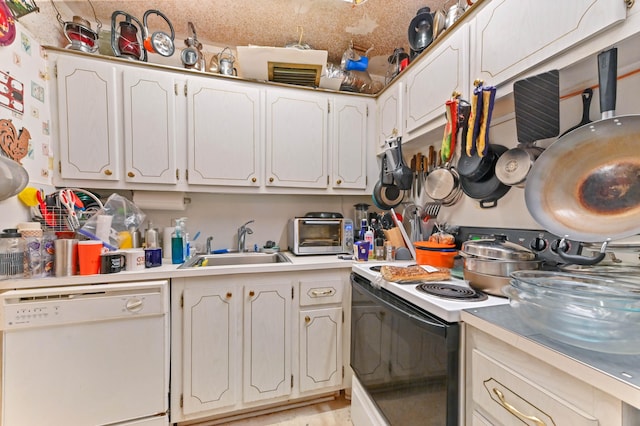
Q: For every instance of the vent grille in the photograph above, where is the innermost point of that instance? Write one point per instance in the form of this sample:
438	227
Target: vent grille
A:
297	74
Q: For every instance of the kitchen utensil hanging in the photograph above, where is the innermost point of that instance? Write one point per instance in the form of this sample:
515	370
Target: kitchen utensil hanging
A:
158	42
585	186
586	96
78	31
127	38
192	56
537	107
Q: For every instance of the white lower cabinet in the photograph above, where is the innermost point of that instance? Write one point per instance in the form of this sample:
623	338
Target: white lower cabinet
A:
210	349
321	325
507	386
267	339
247	341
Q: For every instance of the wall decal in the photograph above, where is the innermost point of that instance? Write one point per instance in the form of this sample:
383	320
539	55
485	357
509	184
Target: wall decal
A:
11	93
15	145
37	91
26	43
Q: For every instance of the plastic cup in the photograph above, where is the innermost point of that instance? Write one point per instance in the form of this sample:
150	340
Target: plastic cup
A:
89	256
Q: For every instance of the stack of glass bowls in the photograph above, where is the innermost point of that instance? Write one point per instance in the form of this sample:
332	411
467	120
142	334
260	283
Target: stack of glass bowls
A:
590	312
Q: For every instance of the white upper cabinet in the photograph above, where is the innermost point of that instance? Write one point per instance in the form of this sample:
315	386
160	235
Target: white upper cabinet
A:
509	37
89	123
389	112
150	138
350	118
296	139
224	133
432	81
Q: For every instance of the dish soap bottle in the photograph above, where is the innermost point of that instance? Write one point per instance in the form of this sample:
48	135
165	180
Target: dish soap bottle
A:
178	242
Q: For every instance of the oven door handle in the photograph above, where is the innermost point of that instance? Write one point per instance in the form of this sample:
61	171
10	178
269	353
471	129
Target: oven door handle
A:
440	327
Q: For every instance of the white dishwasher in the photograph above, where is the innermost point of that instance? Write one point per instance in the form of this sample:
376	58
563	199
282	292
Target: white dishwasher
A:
86	355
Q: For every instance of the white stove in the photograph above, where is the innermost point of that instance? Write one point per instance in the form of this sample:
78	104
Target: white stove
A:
444	308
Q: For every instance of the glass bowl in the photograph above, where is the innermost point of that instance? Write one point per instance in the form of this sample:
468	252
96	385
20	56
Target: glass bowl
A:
595	313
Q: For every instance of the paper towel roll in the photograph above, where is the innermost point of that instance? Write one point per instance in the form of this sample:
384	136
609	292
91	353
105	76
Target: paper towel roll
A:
159	200
166	241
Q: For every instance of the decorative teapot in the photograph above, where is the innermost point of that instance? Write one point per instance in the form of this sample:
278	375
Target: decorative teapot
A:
223	63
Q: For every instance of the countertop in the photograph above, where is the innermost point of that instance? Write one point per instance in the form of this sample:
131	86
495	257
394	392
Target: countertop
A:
617	375
168	271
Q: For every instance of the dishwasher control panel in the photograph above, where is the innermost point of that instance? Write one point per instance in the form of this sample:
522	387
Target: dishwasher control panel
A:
82	304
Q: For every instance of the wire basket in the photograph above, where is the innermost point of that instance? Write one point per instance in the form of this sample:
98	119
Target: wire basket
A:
56	217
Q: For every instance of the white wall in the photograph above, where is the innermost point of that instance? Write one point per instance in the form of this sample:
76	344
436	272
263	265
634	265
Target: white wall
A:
24	60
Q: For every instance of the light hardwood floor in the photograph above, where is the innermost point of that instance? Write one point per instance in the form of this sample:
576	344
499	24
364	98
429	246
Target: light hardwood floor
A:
331	413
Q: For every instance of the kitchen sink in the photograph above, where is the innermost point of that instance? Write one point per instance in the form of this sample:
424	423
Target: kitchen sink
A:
230	259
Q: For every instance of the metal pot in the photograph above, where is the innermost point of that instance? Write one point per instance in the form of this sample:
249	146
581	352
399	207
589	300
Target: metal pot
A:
514	165
489	262
497	248
585	186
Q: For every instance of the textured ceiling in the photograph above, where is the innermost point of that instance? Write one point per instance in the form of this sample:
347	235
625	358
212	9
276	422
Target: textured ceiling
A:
326	24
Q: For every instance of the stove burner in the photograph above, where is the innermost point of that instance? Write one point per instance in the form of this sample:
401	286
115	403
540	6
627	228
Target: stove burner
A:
452	292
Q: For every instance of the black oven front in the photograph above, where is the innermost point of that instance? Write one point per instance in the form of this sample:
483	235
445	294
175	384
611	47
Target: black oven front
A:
406	359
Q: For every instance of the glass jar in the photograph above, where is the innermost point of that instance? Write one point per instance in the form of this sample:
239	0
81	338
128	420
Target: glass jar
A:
12	248
361	212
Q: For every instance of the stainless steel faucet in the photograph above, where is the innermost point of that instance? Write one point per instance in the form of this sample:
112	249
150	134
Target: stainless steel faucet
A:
242	236
208	249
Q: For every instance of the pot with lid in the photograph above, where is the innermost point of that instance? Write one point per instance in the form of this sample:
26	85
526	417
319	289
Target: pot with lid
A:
488	263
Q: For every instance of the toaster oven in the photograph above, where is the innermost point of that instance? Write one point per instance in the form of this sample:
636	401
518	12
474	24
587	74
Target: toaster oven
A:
320	235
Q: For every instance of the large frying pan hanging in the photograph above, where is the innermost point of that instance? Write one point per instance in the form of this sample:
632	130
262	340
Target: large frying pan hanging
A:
586	185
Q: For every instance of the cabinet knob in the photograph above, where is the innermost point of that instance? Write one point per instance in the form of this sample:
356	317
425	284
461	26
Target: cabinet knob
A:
307	319
131	174
252	293
108	172
229	294
339	182
254	179
271	179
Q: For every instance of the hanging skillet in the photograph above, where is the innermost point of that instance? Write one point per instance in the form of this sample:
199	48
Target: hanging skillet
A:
586	185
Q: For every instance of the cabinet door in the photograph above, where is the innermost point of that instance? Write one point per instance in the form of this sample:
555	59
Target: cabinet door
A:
389	109
210	347
349	143
224	133
267	340
89	119
434	79
544	28
296	139
150	126
320	348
